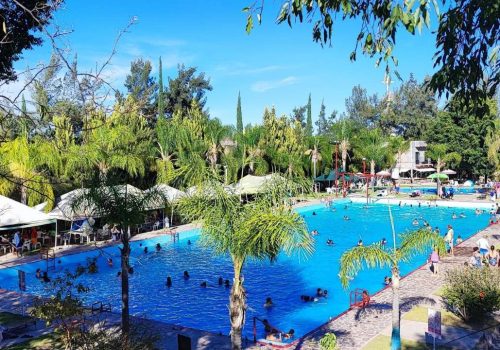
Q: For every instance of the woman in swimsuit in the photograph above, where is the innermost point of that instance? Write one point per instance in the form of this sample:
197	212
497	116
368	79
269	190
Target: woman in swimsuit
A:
493	256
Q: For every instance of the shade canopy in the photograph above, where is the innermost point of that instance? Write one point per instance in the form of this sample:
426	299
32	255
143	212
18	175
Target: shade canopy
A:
440	176
331	176
165	193
383	173
16	215
250	184
449	172
425	170
66	208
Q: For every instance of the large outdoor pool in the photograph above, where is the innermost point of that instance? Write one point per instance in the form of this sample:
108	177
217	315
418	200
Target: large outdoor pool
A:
285	280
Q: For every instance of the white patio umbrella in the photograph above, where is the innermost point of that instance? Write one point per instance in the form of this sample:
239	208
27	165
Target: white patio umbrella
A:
383	173
449	172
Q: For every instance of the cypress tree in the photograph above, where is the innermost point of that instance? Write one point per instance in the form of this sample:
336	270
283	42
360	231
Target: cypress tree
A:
161	105
309	123
239	116
24	117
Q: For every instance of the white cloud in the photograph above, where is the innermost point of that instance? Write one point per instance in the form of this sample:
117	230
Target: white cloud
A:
265	85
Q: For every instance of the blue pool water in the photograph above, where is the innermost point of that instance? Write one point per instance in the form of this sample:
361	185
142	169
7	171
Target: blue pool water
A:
433	190
285	280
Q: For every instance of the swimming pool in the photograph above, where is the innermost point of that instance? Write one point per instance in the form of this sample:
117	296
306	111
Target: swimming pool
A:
284	281
433	190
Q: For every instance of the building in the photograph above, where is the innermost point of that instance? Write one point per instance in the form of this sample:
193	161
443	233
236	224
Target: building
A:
413	162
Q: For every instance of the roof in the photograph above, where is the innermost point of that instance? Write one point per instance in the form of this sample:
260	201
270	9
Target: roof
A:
15	215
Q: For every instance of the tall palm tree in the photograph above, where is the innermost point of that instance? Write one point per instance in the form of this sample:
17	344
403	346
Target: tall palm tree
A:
213	134
259	230
372	145
315	155
439	153
253	151
398	145
373	256
169	137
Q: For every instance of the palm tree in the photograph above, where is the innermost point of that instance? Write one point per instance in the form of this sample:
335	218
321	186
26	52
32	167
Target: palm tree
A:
23	163
315	155
439	153
398	145
213	135
258	230
253	151
371	144
372	256
169	136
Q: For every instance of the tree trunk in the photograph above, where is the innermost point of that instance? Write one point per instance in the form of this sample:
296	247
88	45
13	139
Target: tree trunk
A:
438	170
237	306
125	253
396	316
24	194
372	172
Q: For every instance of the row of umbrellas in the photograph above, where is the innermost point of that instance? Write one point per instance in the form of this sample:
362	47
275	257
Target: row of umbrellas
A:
441	175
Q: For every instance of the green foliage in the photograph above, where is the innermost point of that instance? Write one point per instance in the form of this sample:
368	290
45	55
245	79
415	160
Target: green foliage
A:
309	125
466	56
20	29
328	342
472	293
239	115
141	86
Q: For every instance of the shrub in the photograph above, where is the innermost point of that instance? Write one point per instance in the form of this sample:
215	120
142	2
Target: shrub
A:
328	342
471	293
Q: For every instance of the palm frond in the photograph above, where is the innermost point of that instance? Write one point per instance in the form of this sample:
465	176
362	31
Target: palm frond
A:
420	241
357	258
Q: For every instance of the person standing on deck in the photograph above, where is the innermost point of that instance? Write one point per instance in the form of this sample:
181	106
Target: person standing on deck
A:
449	238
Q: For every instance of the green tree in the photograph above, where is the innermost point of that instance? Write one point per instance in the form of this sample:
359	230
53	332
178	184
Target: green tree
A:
466	58
239	115
161	103
361	108
373	256
21	24
315	155
309	123
185	89
253	150
439	153
141	86
374	147
256	230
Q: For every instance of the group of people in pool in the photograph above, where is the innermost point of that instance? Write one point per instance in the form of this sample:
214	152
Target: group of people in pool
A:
203	284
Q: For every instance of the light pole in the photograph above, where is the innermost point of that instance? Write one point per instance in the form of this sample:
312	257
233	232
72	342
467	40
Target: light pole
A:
366	177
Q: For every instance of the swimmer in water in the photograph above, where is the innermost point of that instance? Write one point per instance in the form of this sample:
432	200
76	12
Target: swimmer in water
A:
189	242
454	216
220	281
227	284
346	218
268	303
203	284
186	275
462	215
169	282
314	213
38	273
330	242
145	250
360	243
415	222
383	242
118	274
158	247
110	262
314	232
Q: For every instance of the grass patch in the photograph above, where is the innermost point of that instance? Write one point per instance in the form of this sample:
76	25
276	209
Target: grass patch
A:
8	319
382	342
419	314
45	342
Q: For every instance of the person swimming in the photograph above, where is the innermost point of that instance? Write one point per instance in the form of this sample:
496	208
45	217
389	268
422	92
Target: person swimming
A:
186	275
268	303
360	243
169	282
346	207
346	218
220	281
189	242
158	247
319	292
330	242
314	232
38	273
462	215
203	284
131	270
227	284
110	262
118	274
386	281
314	213
399	203
454	216
383	242
45	278
145	250
415	222
478	211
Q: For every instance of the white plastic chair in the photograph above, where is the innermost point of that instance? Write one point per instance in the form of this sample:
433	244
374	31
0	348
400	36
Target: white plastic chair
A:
27	245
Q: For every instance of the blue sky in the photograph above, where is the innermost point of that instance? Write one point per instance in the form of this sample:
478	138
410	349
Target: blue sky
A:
274	65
